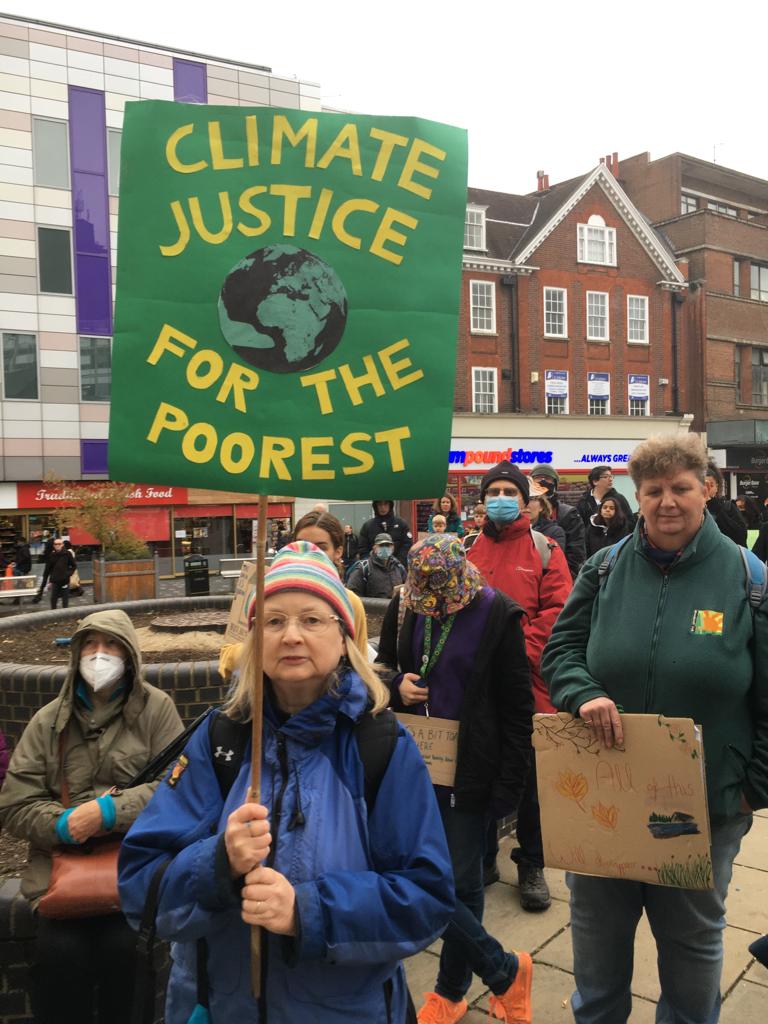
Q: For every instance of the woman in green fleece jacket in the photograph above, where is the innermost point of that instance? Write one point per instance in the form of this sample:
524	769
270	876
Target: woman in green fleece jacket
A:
669	632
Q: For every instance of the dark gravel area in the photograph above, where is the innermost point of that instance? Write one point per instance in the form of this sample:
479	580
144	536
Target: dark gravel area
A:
13	856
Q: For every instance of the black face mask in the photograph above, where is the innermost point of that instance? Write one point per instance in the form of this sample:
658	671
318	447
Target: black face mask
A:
550	487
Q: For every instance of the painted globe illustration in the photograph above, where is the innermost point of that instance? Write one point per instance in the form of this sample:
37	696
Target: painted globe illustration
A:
283	309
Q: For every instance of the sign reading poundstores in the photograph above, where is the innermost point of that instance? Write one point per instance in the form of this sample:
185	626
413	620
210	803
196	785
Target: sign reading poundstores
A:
476	455
287	305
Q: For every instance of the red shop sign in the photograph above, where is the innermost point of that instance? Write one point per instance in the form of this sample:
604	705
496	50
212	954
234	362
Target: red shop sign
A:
43	495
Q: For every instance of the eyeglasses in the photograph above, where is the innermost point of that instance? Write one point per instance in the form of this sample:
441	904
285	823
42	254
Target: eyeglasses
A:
307	623
505	492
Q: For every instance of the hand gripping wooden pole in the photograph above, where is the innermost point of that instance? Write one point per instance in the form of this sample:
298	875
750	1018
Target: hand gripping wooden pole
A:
257	706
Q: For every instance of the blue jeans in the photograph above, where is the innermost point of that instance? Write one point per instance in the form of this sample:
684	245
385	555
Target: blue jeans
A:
686	924
467	947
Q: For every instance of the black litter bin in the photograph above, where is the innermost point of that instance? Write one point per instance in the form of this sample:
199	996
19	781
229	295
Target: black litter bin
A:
196	580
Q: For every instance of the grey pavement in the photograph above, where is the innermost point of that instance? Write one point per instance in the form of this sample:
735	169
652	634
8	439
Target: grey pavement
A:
547	937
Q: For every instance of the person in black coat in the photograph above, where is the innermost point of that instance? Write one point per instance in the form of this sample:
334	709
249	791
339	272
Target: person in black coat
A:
541	512
565	516
351	544
384	520
600	482
607	526
23	558
724	511
58	569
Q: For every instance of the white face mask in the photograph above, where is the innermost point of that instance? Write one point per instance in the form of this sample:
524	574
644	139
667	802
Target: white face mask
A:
100	670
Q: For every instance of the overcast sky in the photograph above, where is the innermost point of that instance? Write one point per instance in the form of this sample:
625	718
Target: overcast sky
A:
550	85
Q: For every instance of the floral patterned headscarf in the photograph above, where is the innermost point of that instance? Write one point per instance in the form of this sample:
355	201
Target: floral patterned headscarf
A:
440	580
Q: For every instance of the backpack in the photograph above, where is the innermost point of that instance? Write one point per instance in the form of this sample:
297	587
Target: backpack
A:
376	738
755	572
544	548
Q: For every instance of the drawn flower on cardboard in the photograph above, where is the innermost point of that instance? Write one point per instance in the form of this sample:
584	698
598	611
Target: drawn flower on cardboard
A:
573	786
606	817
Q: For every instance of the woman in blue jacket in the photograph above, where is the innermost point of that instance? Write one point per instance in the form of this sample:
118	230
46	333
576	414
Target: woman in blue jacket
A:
342	887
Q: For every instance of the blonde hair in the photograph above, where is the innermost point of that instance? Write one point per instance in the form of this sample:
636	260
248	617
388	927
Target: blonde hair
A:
660	456
439	519
545	503
238	703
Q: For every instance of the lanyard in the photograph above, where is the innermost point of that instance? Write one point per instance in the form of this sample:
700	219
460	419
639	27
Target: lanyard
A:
428	660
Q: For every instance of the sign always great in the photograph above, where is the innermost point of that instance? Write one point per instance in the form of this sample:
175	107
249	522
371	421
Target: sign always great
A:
287	301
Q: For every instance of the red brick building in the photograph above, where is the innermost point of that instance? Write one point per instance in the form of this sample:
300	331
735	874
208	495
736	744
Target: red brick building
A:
717	219
571	304
570	336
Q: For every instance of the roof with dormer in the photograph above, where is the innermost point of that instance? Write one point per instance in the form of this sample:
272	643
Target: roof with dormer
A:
517	225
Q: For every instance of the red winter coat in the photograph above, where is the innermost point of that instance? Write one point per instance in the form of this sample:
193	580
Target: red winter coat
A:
510	562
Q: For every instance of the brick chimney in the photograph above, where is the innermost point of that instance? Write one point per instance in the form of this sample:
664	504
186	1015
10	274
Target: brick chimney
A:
542	181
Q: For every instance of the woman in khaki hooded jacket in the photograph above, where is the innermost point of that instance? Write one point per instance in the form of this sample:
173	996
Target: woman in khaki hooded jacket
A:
105	725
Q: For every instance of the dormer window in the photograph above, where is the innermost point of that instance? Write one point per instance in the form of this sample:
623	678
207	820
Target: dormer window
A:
596	242
474	228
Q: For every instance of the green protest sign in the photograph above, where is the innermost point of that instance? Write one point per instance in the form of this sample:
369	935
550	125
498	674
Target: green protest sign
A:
287	304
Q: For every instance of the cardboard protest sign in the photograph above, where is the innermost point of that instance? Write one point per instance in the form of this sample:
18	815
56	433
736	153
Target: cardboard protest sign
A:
437	740
639	811
237	626
287	300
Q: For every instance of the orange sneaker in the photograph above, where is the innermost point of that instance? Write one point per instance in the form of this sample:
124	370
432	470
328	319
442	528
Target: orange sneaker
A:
514	1005
438	1010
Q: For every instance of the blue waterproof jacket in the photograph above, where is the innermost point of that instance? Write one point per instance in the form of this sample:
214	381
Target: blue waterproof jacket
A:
369	891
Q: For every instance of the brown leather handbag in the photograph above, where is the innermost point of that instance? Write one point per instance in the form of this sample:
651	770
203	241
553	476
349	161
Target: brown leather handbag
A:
83	878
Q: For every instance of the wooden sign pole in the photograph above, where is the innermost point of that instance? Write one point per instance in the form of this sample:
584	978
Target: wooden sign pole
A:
257	705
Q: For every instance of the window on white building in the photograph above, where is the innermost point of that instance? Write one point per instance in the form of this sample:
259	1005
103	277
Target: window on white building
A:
596	242
555	312
637	319
114	139
474	228
95	369
20	379
484	391
54	260
597	316
482	307
50	153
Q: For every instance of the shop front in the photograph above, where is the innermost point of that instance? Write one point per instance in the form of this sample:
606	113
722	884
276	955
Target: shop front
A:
570	444
740	448
172	521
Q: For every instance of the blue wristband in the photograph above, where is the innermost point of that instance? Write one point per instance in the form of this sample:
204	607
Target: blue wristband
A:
62	828
108	811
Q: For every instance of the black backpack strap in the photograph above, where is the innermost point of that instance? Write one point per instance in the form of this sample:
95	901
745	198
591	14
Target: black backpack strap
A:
228	741
376	737
142	1011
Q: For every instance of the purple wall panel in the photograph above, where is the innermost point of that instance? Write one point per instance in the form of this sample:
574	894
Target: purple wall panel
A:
90	205
190	81
93	456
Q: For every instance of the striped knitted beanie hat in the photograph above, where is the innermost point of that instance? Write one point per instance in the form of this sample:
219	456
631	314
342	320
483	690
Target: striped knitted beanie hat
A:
303	566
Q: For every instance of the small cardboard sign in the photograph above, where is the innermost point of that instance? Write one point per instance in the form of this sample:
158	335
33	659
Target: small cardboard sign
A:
437	739
638	811
237	626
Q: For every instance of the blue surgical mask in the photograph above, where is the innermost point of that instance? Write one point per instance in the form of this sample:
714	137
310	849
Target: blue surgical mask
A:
382	552
502	509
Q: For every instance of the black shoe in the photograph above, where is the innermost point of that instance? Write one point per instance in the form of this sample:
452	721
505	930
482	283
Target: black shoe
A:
759	950
490	874
534	891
